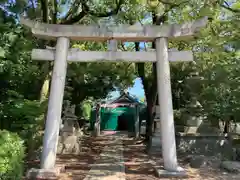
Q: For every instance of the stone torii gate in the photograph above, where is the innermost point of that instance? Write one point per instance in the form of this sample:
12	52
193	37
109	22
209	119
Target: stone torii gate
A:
125	33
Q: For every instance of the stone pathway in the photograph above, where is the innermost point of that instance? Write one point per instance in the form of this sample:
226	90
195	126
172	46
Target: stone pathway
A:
110	164
114	156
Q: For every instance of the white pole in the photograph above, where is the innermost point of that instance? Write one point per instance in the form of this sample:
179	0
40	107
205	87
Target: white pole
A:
51	132
166	107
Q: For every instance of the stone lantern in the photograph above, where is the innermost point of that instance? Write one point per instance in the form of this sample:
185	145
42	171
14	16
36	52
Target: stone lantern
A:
70	133
194	113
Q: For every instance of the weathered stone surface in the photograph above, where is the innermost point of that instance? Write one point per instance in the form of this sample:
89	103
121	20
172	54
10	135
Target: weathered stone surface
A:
68	129
197	161
209	145
162	173
190	130
110	164
44	174
70	136
214	162
155	143
236	154
124	32
70	144
231	166
93	56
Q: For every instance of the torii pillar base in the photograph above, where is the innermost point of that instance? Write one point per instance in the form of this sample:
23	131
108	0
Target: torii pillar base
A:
162	173
45	174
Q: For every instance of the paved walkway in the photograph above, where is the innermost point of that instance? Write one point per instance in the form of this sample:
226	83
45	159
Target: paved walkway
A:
110	164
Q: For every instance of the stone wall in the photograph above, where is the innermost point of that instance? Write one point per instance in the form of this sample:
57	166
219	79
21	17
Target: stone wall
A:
208	145
201	144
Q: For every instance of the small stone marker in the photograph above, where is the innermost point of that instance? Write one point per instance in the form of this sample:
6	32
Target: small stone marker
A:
197	161
70	132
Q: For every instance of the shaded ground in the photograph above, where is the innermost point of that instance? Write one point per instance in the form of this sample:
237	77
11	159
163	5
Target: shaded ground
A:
139	166
78	166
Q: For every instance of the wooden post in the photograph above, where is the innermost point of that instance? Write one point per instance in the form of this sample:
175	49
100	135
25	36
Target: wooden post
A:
97	124
137	128
166	107
51	132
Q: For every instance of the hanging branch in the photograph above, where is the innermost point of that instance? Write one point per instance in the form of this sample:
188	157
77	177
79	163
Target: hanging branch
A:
225	5
103	14
87	11
55	10
44	8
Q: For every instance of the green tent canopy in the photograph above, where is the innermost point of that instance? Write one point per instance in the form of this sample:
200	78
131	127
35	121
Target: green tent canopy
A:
119	114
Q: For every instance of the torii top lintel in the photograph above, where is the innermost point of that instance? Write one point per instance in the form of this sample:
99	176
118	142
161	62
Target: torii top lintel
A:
120	33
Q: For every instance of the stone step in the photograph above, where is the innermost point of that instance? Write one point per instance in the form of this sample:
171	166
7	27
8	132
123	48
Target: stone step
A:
110	165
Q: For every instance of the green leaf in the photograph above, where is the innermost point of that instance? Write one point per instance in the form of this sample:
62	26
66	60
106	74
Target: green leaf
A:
2	52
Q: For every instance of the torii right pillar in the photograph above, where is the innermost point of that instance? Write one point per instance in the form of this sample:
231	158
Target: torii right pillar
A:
166	108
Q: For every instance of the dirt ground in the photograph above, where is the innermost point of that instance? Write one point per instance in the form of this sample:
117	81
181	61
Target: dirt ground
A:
78	166
138	165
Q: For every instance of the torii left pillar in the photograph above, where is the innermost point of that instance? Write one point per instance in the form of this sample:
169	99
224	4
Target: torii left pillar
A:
51	132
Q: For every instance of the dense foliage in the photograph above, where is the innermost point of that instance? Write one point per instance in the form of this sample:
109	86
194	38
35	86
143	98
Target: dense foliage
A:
11	156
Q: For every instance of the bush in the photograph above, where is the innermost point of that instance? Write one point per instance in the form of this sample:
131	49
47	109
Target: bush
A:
26	117
178	117
11	156
86	110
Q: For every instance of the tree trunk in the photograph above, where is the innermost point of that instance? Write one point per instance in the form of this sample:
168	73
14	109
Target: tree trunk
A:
150	88
227	124
46	83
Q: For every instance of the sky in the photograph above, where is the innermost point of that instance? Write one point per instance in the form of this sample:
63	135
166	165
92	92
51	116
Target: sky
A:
136	89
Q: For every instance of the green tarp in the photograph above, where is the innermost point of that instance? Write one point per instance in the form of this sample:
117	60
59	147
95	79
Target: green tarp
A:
110	117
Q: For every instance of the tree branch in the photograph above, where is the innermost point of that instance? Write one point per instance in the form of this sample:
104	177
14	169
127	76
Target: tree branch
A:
44	8
33	8
54	15
141	70
122	45
87	11
166	3
74	8
70	18
103	14
172	5
229	8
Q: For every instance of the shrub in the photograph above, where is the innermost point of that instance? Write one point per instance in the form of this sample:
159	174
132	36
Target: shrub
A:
27	119
11	156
